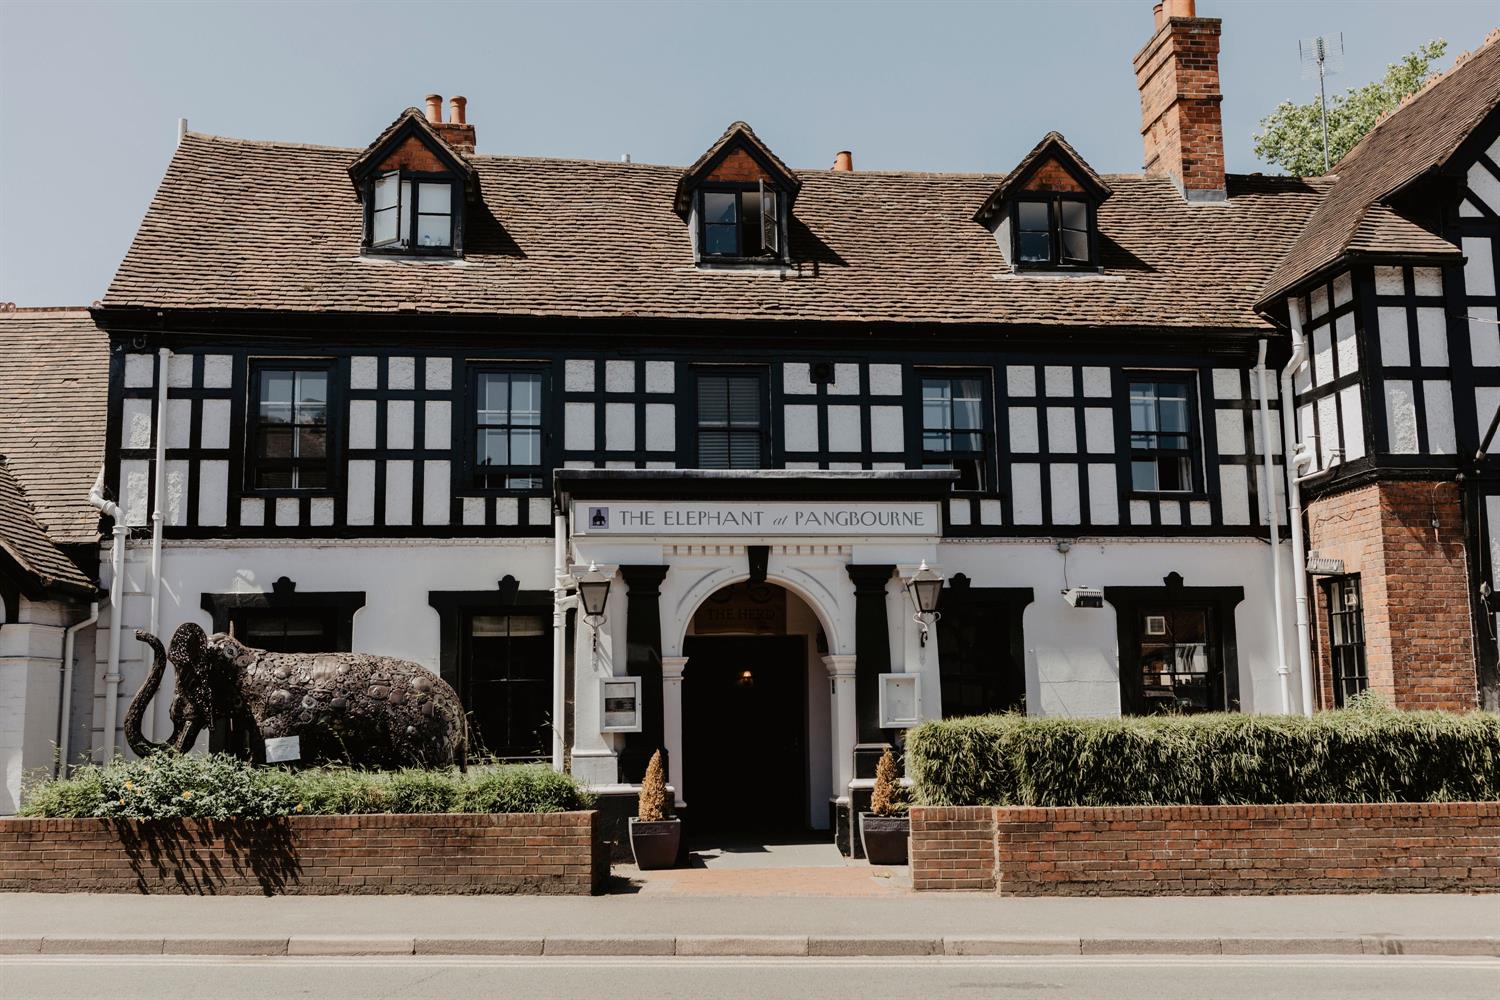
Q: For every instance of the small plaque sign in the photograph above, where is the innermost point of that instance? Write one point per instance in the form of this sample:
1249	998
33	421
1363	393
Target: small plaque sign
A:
743	609
620	699
282	749
900	701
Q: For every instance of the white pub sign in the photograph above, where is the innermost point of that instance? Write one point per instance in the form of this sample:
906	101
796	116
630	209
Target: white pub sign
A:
772	518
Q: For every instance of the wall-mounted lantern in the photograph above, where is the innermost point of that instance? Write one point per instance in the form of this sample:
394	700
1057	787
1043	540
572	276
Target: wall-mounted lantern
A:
593	594
926	588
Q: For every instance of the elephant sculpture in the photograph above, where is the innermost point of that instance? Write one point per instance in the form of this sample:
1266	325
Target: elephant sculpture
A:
370	711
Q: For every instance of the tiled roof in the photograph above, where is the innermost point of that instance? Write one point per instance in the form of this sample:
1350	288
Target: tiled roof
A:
240	225
1416	138
54	373
23	539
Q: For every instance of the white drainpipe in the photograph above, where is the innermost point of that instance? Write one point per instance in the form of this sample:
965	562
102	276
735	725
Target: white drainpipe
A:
560	604
116	614
1294	461
1273	519
64	731
148	726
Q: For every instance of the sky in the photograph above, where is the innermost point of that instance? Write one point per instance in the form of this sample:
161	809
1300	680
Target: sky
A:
90	93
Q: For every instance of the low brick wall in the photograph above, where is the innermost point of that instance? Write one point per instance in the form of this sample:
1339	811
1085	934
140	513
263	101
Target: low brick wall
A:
1208	850
559	853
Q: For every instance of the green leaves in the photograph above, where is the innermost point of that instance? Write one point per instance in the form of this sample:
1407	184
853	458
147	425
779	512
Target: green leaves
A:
1291	137
1364	754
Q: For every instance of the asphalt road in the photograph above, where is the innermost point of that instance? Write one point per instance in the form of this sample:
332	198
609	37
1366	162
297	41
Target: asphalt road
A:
1153	978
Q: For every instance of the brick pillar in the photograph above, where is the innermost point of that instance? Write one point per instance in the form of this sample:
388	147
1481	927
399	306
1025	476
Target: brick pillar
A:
1177	74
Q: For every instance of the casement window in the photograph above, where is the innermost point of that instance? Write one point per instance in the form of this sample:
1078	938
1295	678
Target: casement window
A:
1176	660
739	222
731	420
1346	638
1162	434
412	212
506	684
507	429
289	427
955	432
281	631
1055	231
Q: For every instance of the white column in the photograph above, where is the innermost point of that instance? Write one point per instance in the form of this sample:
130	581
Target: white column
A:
845	721
671	719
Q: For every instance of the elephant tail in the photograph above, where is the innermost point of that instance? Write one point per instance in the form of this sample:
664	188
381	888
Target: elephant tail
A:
133	735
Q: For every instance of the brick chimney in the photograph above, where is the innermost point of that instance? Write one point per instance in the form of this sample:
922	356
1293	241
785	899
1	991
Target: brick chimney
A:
1178	76
456	131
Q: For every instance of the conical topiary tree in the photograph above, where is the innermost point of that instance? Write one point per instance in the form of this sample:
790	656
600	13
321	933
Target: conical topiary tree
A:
653	792
883	797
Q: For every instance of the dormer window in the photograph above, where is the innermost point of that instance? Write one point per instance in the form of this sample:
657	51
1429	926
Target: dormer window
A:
1045	213
1053	231
406	204
414	182
740	223
737	201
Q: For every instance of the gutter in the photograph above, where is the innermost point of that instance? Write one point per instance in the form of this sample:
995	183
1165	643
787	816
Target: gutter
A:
1273	518
64	731
1296	459
561	602
164	355
116	590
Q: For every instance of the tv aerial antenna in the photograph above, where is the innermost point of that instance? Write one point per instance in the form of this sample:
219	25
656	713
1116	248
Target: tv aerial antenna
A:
1322	56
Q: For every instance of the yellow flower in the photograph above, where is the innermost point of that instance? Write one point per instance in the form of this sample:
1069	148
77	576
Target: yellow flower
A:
299	807
122	802
188	794
130	786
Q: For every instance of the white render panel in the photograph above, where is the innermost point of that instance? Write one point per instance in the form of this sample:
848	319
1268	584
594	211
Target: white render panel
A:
1484	187
661	376
887	428
218	371
1484	336
180	371
1026	493
362	423
885	380
1437	397
1322	357
174	503
474	510
1234	488
843	428
578	426
1140	512
135	491
1059	380
1023	430
1432	337
801	427
539	510
1199	512
400	423
1427	280
1230	425
990	512
1227	383
1390	281
135	425
438	373
1275	439
364	373
398	486
401	373
252	512
1328	426
213	493
1066	503
1020	380
1170	512
214	432
1096	382
320	512
507	510
1279	500
958	513
619	426
1343	289
436	476
288	512
578	375
1352	422
360	504
1479	268
1307	431
1099	429
1062	430
796	379
1104	494
1345	348
1395	348
1401	418
140	371
619	376
437	427
845	380
802	466
661	427
1317	302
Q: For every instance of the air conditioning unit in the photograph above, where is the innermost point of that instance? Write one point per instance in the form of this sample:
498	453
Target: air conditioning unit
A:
1084	597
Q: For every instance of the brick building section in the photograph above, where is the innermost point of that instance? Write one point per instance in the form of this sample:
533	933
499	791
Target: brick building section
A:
533	853
1052	176
1406	542
1177	74
1210	850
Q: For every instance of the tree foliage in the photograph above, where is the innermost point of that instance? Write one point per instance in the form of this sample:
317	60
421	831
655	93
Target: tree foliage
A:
1291	137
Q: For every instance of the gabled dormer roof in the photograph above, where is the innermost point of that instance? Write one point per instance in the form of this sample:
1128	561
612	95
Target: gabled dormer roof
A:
1052	165
737	154
411	141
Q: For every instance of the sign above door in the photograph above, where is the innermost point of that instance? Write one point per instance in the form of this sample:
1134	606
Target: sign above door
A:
772	519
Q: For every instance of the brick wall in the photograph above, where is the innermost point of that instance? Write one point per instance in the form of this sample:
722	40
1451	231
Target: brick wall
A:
540	853
1419	648
1177	74
1210	850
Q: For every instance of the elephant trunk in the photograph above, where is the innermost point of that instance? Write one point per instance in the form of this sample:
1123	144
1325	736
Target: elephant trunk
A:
133	735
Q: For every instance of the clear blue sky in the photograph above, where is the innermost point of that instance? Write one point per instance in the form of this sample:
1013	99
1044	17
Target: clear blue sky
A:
90	94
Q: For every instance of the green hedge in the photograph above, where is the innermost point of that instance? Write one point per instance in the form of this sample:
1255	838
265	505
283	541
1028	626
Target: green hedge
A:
1347	756
215	786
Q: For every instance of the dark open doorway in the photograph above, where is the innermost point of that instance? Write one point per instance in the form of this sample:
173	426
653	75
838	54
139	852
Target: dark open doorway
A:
744	722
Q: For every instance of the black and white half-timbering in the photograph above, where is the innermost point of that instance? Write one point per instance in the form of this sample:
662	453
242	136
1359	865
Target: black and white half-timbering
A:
642	457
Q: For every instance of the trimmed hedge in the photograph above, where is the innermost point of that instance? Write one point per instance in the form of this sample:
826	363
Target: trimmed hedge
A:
215	786
1364	755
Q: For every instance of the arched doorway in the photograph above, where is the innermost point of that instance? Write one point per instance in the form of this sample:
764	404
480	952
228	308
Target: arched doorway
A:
755	714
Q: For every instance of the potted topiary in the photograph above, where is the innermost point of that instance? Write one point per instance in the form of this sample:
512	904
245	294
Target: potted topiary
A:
654	837
886	828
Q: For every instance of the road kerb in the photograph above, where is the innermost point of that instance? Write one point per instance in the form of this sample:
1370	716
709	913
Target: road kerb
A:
20	945
1011	946
844	946
352	945
1397	945
744	944
663	944
102	945
478	946
1152	946
225	946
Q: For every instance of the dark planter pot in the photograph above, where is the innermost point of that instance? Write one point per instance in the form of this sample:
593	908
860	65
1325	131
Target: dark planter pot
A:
885	838
655	844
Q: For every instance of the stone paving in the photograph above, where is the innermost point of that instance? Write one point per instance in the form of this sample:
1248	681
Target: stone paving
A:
792	868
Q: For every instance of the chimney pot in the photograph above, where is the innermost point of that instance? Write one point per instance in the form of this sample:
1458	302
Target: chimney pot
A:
1159	12
435	108
457	108
843	162
1184	8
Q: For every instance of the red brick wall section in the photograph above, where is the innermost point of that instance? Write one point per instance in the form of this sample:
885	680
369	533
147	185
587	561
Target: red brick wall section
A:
1052	176
531	853
1212	850
953	847
1177	74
